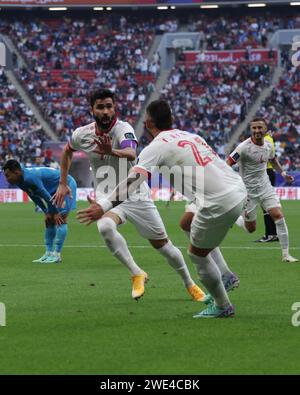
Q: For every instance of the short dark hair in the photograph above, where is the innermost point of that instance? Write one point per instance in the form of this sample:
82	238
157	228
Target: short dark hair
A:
160	112
101	94
12	165
260	120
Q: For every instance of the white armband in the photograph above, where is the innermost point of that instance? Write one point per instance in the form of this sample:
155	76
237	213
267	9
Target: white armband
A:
283	174
105	204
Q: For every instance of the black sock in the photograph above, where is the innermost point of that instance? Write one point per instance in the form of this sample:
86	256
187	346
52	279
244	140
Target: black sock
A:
270	227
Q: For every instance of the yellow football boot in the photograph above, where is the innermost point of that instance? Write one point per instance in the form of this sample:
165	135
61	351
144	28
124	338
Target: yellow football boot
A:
138	285
196	293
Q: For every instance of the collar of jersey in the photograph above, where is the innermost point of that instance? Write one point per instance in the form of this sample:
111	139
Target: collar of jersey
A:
111	126
167	130
164	131
258	145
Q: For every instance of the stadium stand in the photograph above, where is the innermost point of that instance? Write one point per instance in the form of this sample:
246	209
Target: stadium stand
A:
21	137
211	99
70	56
281	110
231	32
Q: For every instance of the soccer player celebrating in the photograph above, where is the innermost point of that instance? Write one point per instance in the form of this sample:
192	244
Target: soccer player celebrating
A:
270	227
40	183
217	190
230	279
253	155
106	142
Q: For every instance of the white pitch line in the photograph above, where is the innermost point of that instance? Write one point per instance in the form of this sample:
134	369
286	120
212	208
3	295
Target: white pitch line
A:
144	246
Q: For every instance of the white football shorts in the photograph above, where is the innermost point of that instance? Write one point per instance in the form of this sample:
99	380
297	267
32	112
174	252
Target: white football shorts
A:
267	200
144	216
208	231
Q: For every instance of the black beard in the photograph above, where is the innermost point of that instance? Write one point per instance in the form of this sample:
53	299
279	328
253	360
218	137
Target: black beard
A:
103	126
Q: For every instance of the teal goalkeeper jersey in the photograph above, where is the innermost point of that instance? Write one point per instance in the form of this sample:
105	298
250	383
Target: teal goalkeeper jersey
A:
40	183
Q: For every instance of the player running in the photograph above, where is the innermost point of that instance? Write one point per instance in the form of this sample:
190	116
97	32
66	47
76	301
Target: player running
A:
270	227
40	183
230	279
106	141
253	155
217	190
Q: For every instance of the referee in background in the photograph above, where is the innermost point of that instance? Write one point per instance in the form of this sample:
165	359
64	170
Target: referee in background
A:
270	227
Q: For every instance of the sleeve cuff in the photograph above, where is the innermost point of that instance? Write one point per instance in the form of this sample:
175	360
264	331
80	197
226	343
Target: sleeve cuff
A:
69	147
105	204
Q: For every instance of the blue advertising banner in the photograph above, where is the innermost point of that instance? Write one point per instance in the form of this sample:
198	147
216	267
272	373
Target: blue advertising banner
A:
280	182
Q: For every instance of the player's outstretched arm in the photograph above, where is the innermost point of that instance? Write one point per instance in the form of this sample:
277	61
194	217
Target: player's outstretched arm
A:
277	166
63	189
90	214
38	201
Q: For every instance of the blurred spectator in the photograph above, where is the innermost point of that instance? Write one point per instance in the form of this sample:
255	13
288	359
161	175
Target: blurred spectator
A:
281	110
69	58
210	99
21	137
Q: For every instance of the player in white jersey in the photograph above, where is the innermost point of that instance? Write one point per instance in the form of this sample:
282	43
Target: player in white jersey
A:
217	190
253	155
110	145
230	279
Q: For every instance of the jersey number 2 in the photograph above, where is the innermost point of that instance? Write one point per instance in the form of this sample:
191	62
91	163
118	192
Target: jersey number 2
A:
201	161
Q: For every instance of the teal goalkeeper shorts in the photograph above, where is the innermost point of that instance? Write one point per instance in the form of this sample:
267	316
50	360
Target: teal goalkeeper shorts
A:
70	203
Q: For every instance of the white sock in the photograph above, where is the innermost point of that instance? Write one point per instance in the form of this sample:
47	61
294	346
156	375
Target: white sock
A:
220	262
217	256
210	276
241	223
283	236
117	244
176	260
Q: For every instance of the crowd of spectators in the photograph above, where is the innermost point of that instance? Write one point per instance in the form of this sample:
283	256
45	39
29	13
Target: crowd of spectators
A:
21	137
67	59
211	99
282	112
233	32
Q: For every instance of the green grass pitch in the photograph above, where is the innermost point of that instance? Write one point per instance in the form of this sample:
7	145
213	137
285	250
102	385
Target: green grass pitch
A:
78	317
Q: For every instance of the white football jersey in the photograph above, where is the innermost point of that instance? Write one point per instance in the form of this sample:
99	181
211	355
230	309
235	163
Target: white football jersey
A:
253	160
199	173
108	170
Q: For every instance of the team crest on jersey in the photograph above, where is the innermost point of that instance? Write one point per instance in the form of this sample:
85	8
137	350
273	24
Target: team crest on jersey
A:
129	136
262	160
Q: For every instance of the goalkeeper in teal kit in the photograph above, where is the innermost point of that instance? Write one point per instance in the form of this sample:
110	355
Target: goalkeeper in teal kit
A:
40	183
